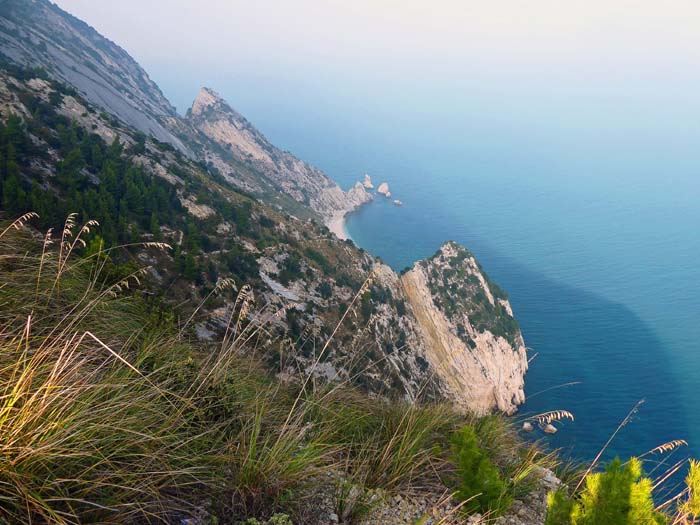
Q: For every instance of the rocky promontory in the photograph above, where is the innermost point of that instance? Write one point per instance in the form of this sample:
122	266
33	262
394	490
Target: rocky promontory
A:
247	159
467	326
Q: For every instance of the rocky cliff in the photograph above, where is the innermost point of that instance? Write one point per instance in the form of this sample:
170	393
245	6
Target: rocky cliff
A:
281	171
37	33
468	330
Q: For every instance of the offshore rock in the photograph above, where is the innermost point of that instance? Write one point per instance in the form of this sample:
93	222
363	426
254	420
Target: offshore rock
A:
384	190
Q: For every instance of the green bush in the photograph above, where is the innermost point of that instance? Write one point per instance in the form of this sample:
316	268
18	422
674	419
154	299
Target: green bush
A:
559	508
620	495
480	484
691	506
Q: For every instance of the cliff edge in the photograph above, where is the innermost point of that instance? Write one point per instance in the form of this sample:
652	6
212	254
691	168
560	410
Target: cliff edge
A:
470	336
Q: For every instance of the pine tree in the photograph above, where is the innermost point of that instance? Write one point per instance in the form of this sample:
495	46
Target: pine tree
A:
14	198
191	272
155	227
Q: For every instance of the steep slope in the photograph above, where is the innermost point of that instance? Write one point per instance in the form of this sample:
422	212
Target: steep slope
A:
37	33
281	171
68	158
468	328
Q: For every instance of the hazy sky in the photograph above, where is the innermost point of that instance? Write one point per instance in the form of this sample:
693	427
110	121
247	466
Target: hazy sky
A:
356	52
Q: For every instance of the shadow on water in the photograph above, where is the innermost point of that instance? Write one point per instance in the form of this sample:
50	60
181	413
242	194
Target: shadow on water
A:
616	357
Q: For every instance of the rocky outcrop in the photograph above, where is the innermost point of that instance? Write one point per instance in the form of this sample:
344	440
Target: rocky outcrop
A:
470	336
261	167
367	182
384	190
428	506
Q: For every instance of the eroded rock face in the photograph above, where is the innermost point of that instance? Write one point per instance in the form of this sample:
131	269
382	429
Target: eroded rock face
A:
269	168
40	34
470	336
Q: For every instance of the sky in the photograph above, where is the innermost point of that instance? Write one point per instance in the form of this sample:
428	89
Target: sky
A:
406	54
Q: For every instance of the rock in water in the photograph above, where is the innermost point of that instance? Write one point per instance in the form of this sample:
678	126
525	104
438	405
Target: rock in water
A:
527	426
367	183
384	190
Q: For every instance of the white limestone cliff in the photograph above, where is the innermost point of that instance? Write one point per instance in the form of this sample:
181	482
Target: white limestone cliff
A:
271	171
483	370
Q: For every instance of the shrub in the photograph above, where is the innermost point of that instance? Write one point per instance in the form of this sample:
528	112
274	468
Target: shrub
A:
480	485
621	495
691	506
559	507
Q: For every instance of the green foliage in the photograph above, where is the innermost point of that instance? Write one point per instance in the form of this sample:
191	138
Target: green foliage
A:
479	484
291	269
559	508
319	259
691	505
620	495
124	198
366	307
325	290
275	519
191	270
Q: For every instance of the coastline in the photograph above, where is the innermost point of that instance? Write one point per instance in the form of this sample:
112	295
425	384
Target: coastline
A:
357	198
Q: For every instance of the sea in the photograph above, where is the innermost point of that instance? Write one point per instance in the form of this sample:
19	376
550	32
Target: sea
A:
584	208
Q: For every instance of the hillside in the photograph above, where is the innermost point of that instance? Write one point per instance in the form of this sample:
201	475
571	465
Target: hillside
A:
68	157
283	173
469	331
38	34
232	205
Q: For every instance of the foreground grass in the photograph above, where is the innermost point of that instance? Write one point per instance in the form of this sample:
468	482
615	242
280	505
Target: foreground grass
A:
108	417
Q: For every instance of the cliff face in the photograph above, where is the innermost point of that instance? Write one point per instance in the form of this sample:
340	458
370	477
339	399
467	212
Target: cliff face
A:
468	330
281	171
37	33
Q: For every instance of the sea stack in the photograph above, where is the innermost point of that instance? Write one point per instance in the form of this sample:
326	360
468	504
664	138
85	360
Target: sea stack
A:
367	183
384	190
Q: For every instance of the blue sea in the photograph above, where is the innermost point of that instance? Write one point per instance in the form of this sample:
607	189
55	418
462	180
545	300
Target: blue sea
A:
584	208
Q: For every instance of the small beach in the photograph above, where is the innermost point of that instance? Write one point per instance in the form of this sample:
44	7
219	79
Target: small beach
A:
337	225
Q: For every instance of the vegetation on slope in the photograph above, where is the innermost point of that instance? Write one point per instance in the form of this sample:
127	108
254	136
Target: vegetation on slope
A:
59	155
109	414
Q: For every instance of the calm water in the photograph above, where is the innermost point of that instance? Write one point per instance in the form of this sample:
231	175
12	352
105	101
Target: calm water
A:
588	218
